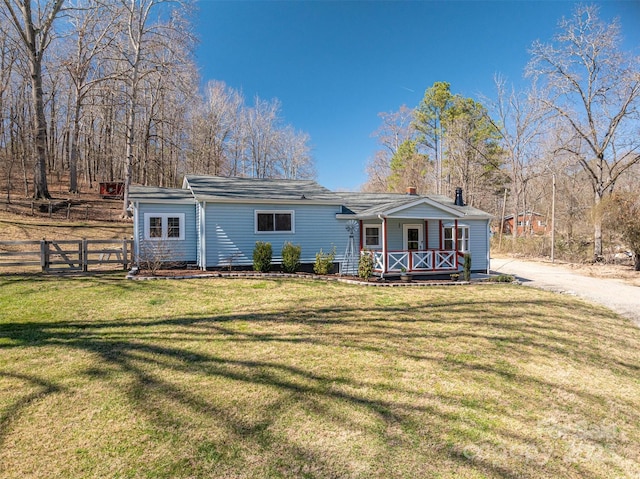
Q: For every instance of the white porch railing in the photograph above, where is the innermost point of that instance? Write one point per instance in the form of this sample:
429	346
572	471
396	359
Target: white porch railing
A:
414	261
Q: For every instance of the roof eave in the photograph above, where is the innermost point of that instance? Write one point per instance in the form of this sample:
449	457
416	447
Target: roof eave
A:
265	201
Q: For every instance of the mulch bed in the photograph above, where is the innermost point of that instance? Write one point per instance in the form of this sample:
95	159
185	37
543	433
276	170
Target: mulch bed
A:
193	274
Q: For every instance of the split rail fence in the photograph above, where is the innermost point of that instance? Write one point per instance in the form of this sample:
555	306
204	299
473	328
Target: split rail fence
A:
65	256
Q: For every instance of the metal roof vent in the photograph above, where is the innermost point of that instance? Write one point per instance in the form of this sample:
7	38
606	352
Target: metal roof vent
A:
459	201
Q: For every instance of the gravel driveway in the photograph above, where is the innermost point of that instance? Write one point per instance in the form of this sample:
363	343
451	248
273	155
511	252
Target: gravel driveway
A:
620	297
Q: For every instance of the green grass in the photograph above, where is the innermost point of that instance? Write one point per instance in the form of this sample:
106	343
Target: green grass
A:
102	377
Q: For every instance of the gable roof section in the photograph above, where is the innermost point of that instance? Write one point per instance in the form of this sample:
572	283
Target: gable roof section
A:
258	190
372	205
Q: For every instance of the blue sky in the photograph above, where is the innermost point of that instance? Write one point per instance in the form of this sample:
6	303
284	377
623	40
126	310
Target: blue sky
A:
334	65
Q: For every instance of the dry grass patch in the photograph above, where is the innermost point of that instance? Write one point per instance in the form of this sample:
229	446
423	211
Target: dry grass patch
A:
18	228
101	377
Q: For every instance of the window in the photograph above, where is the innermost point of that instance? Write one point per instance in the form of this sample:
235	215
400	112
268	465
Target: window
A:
462	239
274	221
372	236
164	226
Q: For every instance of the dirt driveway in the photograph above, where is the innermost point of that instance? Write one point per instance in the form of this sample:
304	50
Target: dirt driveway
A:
621	297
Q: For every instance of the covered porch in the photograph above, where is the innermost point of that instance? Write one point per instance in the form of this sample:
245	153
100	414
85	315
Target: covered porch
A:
406	245
416	235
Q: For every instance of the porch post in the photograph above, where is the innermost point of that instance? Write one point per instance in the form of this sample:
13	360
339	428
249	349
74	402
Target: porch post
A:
426	235
384	245
455	242
360	233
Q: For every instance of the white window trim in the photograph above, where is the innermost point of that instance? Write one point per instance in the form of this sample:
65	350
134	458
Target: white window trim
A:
455	237
364	236
274	212
165	226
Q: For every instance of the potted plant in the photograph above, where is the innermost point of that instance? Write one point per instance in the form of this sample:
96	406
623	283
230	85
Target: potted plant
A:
403	274
454	276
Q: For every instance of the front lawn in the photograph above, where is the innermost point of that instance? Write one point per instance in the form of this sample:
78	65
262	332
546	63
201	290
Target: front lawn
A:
237	378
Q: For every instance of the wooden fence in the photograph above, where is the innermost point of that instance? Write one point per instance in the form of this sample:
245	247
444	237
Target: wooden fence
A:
64	256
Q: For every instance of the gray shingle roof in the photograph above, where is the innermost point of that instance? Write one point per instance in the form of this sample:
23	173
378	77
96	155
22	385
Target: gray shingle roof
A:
153	193
222	188
230	189
373	204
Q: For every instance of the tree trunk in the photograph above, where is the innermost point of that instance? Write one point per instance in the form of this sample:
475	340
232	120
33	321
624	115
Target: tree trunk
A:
40	187
74	148
597	227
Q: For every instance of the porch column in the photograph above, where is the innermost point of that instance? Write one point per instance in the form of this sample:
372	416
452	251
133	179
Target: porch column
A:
455	242
426	235
384	245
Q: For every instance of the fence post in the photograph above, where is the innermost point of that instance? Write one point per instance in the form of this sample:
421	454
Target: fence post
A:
125	254
44	255
85	255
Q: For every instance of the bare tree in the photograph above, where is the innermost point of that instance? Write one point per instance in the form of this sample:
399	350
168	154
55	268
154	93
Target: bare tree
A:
215	126
595	89
91	32
395	130
519	121
293	155
34	33
262	125
146	48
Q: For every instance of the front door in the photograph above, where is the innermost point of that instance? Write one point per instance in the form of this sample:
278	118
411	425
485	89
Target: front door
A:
413	237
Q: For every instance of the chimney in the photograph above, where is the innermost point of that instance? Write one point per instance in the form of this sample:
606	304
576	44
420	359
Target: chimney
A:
459	201
411	190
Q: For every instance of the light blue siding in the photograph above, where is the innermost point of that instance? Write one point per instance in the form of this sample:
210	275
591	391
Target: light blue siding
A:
231	236
174	250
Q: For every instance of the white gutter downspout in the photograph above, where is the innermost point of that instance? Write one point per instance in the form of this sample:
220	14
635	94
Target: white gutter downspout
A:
488	248
136	233
203	236
384	244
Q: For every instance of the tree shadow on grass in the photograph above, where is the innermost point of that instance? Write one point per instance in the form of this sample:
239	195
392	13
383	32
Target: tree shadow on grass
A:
164	361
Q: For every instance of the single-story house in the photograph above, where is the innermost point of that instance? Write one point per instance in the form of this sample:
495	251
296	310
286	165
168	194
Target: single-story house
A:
215	222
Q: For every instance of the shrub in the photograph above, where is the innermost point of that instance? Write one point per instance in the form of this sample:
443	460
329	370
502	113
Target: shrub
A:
324	262
154	255
291	257
466	267
503	278
365	265
262	255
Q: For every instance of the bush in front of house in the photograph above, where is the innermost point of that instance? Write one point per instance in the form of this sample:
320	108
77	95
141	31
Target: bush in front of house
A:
291	257
262	255
324	262
365	265
466	267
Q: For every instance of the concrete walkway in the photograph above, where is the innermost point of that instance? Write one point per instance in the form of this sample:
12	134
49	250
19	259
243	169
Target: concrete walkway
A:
616	295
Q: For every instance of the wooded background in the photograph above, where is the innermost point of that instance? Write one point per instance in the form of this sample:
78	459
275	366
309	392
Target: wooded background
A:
108	90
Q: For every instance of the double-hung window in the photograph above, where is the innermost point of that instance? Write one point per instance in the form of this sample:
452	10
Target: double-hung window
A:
274	221
461	242
164	226
372	238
